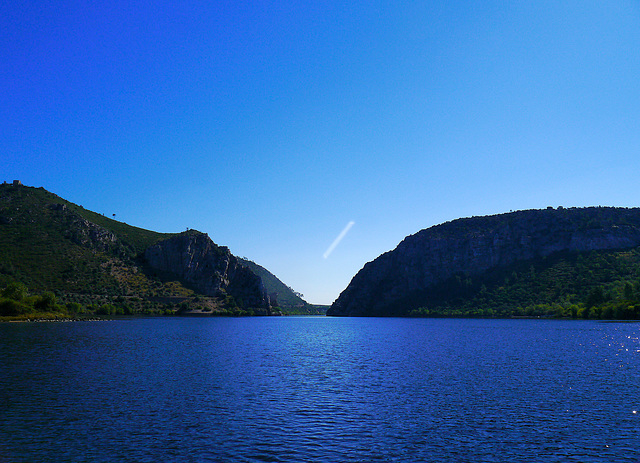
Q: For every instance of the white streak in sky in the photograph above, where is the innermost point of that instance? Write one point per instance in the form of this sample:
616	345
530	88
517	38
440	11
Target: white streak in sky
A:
342	234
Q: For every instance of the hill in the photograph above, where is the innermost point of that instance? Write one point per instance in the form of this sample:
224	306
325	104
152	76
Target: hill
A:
94	264
282	295
553	262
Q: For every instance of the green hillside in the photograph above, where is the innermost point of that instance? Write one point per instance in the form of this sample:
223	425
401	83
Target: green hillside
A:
46	242
595	285
87	262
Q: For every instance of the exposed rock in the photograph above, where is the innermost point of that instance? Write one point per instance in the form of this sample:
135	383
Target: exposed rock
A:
83	232
89	234
211	270
474	245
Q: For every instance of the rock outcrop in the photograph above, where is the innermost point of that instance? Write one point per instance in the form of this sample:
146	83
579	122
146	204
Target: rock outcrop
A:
83	232
474	245
210	269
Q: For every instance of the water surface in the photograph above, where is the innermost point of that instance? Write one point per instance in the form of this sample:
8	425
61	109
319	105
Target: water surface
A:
292	389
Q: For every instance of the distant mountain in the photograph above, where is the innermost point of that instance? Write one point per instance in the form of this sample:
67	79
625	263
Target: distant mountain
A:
95	264
560	262
280	294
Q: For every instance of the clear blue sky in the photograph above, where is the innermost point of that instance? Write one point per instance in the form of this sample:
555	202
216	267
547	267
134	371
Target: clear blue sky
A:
273	125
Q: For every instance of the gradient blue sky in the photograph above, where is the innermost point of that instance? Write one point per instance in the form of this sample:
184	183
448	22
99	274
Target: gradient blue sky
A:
272	125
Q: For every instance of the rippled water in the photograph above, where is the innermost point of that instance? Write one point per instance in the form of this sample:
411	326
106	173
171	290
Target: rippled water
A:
295	389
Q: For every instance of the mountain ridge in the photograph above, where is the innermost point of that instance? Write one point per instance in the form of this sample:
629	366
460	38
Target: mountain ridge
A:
399	281
50	244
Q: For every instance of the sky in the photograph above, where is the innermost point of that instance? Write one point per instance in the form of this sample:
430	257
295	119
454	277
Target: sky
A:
311	137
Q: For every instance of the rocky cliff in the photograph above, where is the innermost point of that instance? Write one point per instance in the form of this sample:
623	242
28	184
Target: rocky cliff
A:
475	245
210	269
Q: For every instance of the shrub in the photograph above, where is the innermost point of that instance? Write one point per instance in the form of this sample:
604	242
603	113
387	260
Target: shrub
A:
74	307
46	302
10	307
106	309
14	291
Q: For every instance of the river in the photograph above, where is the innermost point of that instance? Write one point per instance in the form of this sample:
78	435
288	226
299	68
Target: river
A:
292	389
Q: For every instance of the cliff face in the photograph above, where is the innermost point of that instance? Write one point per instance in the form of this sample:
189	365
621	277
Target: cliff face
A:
474	245
211	270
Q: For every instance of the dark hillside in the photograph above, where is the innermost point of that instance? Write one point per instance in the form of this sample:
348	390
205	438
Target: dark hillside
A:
285	297
91	263
504	263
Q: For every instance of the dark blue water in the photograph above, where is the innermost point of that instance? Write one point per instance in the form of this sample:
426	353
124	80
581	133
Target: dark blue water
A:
319	389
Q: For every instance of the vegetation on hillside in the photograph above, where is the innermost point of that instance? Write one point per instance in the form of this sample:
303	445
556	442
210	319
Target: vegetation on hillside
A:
17	303
534	262
59	260
50	244
90	263
592	285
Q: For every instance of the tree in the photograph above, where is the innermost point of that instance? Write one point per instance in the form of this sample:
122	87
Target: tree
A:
10	307
15	291
45	302
595	297
628	291
74	307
